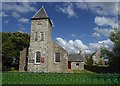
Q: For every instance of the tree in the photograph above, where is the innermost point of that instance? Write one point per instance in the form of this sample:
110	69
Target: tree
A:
115	38
89	61
7	50
105	52
12	44
106	55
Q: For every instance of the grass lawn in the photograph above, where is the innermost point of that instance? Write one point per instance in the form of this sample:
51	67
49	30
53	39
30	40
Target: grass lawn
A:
78	77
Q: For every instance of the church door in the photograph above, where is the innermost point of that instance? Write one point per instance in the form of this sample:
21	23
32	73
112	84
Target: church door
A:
69	65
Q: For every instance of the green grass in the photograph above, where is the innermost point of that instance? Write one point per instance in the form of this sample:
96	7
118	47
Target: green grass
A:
82	71
55	78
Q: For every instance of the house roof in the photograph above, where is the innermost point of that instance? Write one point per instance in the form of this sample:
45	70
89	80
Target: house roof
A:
40	14
75	57
88	55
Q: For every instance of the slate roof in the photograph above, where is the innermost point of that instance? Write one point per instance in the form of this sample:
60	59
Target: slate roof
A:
75	57
88	55
40	14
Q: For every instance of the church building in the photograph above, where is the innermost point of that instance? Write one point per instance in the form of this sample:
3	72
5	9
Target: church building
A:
43	54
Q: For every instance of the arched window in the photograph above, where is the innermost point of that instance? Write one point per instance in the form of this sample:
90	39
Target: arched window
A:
38	55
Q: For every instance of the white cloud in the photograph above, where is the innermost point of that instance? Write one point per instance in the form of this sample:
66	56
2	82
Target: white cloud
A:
74	46
95	34
71	46
61	42
104	43
101	31
104	21
100	8
16	15
20	31
79	44
23	20
94	46
82	5
67	9
21	28
19	7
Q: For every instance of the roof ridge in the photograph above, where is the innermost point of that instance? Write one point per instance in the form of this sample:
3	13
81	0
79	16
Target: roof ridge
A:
37	12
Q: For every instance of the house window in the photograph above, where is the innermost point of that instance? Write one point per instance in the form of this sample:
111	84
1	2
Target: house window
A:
57	57
31	60
38	57
36	36
41	36
77	64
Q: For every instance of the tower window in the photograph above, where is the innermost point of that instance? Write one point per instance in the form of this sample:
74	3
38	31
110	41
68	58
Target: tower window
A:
38	55
57	57
40	23
41	36
35	36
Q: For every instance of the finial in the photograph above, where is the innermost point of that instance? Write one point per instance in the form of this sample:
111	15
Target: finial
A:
42	6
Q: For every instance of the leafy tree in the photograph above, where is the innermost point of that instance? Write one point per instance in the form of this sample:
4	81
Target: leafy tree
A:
115	38
89	61
114	55
12	44
105	52
7	50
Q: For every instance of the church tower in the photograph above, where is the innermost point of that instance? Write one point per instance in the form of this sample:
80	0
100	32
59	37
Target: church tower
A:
40	42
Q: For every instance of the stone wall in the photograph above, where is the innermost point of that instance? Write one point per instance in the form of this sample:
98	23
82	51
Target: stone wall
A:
62	66
23	60
96	58
42	25
74	67
50	65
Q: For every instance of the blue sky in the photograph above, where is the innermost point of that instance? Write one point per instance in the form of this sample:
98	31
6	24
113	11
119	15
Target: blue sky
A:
85	26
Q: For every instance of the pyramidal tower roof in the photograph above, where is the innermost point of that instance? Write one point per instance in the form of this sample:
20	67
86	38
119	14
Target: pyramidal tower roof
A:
41	14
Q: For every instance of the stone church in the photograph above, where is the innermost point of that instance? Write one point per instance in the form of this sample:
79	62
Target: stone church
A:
43	54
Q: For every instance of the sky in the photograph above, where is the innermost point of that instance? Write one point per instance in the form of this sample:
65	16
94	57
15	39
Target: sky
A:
77	26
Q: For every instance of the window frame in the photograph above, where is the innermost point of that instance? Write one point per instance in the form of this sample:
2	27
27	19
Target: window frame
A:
55	57
36	57
42	38
77	64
